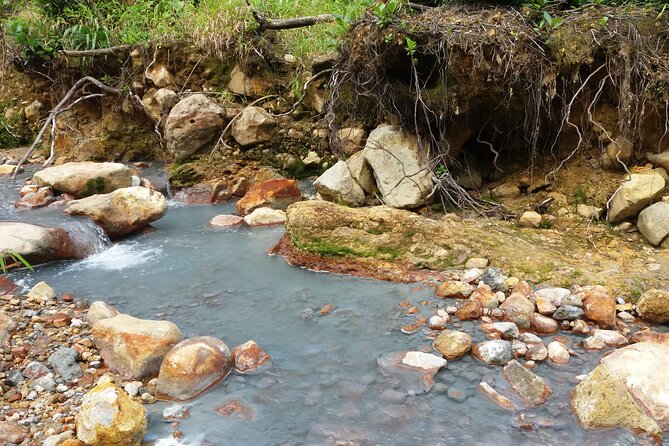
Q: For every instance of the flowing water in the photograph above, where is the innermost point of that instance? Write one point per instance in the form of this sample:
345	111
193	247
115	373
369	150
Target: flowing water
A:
324	384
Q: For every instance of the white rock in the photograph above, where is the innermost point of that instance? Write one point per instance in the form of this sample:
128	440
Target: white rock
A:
421	360
634	195
265	217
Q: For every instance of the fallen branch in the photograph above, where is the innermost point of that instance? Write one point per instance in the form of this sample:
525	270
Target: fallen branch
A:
60	108
278	24
111	51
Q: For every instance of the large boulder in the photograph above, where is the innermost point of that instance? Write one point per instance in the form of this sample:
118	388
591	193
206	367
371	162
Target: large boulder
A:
85	178
133	347
122	211
110	417
192	124
399	165
653	306
338	185
38	244
276	193
634	195
653	223
191	367
627	391
254	126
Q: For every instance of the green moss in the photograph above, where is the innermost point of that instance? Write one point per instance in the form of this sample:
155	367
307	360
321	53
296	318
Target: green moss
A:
94	186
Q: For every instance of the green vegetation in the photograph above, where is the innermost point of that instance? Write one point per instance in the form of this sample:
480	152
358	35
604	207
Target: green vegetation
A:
14	259
40	28
94	186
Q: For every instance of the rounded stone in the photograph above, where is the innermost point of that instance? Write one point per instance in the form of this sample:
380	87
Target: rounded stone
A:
453	344
191	367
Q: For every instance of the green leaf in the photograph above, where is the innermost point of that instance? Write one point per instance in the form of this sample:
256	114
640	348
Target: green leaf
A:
22	260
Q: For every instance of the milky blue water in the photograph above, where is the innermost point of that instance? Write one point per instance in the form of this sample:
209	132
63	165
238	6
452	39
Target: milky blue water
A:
323	386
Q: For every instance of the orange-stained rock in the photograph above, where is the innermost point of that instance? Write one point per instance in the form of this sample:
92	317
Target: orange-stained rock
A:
134	347
523	288
543	325
235	406
191	367
472	309
600	308
248	357
454	289
494	396
275	193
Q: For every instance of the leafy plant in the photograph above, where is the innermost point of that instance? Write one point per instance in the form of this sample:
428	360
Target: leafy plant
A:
549	23
33	42
411	48
16	260
385	12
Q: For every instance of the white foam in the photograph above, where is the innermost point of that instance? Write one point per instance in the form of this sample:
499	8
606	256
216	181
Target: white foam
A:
117	258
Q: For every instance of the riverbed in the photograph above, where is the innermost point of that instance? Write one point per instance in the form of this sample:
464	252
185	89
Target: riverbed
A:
324	384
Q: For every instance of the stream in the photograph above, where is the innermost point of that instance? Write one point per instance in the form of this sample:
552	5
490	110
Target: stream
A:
323	386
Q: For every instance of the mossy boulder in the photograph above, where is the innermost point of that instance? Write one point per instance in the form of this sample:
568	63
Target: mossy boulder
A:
86	178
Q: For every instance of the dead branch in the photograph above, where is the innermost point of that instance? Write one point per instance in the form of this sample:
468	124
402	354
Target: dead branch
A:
111	51
277	24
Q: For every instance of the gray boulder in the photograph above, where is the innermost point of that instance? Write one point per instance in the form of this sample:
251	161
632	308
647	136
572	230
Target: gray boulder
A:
653	223
253	127
399	165
86	178
338	185
192	124
634	195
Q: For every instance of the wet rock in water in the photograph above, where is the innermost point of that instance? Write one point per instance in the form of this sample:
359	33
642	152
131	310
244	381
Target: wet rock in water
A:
627	391
580	327
207	192
123	211
495	352
567	313
38	244
536	352
85	178
531	388
518	316
226	221
192	124
653	223
276	193
494	396
472	309
634	195
600	307
506	330
191	367
530	219
8	169
558	353
454	289
425	361
601	339
399	165
109	417
494	278
134	347
542	324
248	357
265	217
653	306
98	311
338	185
253	127
11	433
453	344
42	197
64	362
7	286
437	322
414	377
